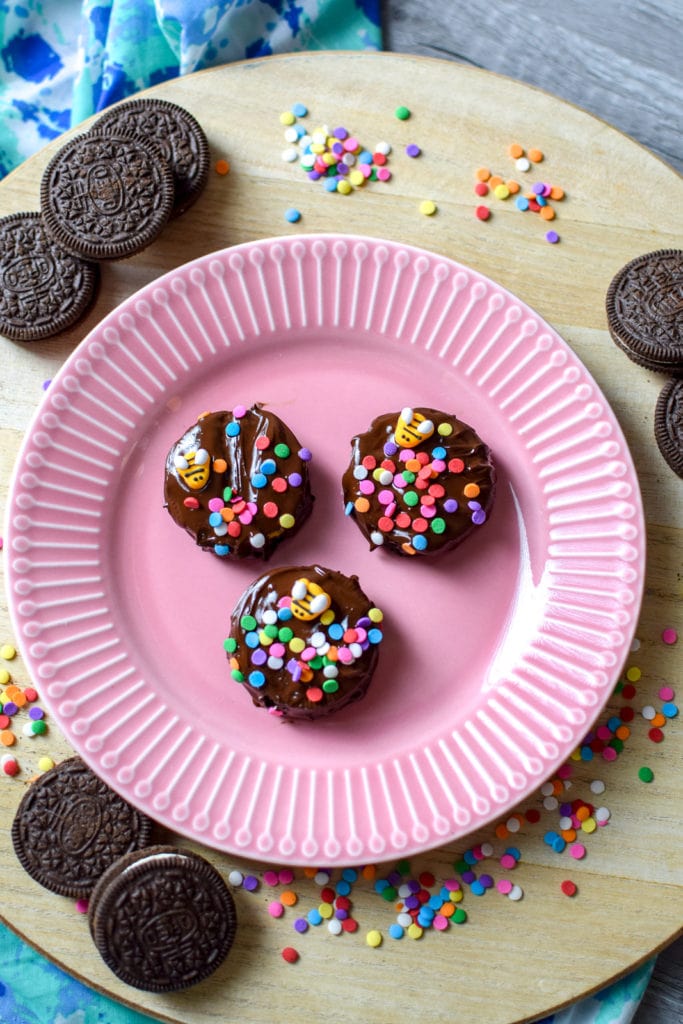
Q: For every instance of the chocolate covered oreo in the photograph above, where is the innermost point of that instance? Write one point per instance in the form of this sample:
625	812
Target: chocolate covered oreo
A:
70	827
644	306
105	197
43	288
162	919
175	131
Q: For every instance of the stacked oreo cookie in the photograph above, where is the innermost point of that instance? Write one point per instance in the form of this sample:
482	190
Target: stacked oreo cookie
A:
105	195
162	918
644	306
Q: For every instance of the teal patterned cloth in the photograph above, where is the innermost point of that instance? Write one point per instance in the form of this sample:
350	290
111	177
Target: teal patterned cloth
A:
48	85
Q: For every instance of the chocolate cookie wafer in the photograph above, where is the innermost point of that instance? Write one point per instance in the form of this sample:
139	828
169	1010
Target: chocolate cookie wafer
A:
177	133
43	288
644	305
162	919
70	827
669	425
104	197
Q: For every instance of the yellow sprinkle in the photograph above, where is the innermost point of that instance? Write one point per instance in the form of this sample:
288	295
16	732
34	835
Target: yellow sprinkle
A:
45	763
428	207
297	645
317	148
414	931
7	651
633	674
375	615
264	639
589	825
356	178
501	192
326	910
287	521
444	429
287	118
374	938
327	617
344	188
4	677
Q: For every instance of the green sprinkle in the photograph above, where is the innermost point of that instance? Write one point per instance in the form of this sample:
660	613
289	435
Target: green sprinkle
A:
438	524
403	867
316	663
411	498
237	675
408	476
271	631
646	774
330	686
282	451
402	113
460	915
230	645
285	634
227	493
389	894
39	727
248	623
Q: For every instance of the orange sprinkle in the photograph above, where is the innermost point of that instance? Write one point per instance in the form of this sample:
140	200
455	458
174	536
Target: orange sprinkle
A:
515	151
408	549
222	167
568	834
288	898
227	515
471	490
361	505
513	187
558	787
20	699
502	831
535	155
310	872
495	180
623	732
369	871
483	174
413	466
220	465
583	813
306	675
556	192
547	213
658	721
447	909
7	738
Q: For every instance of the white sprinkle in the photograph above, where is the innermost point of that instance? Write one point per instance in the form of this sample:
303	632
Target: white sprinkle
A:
516	893
257	540
360	473
235	877
648	712
383	147
597	786
602	814
377	538
290	155
522	164
322	878
334	926
269	617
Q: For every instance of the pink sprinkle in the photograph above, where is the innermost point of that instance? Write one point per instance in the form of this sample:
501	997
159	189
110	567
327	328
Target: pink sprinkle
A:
406	453
344	655
385	497
239	411
384	174
270	877
366	487
275	909
82	905
438	465
216	504
504	886
351	144
669	635
286	876
565	771
508	862
577	851
667	693
609	754
277	650
452	884
308	654
440	922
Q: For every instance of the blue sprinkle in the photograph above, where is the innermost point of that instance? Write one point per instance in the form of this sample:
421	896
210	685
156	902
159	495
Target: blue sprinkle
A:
469	857
419	542
268	467
348	508
521	203
314	916
335	631
381	884
300	110
284	614
251	639
292	215
396	931
550	837
215	519
477	888
365	157
222	550
257	679
350	875
559	845
435	902
514	852
375	636
342	888
439	453
586	754
669	709
232	429
331	185
259	480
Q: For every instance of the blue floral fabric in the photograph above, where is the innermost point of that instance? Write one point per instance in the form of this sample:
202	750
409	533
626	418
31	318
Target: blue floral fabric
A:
49	84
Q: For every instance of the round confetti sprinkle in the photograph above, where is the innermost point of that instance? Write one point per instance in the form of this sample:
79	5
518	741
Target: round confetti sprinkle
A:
568	887
374	937
222	167
82	906
413	150
427	207
646	774
669	635
552	237
45	763
8	652
290	954
482	212
402	113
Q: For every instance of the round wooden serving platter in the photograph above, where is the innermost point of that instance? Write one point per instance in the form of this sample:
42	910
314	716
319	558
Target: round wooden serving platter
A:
512	961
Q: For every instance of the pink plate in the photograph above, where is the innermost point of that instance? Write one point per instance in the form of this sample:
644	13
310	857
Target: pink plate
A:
496	659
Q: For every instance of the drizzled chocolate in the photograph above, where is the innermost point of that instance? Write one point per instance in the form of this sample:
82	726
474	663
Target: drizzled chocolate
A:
237	481
304	641
419	481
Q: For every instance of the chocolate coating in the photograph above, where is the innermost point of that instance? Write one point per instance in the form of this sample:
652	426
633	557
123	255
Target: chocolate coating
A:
162	919
419	482
250	492
669	424
323	659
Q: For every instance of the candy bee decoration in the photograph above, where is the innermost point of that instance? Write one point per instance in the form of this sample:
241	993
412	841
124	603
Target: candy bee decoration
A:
412	428
194	468
309	600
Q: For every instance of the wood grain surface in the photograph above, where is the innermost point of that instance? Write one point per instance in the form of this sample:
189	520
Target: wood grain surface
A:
545	951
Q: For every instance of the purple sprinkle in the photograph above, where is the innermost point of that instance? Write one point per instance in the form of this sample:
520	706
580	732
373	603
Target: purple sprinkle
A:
363	623
450	505
314	175
390	448
10	708
250	883
341	914
413	150
46	384
469	877
340	133
338	149
565	810
486	881
294	669
412	902
305	455
394	878
342	169
474	505
259	657
552	237
295	479
479	517
537	188
301	925
414	885
36	713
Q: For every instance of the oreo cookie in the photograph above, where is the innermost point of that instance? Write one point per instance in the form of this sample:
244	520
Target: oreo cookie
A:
162	919
70	827
105	197
178	135
669	425
43	288
644	305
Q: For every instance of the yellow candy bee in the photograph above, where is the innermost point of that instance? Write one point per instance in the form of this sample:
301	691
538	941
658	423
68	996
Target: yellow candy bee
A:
309	600
412	427
193	468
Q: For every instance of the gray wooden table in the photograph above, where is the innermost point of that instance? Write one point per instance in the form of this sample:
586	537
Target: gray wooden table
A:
620	60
